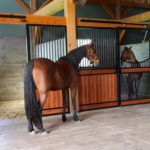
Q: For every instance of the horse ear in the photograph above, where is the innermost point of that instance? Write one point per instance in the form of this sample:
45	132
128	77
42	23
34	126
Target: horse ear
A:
130	47
91	44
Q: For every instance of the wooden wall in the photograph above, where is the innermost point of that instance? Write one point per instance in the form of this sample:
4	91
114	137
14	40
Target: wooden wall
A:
97	89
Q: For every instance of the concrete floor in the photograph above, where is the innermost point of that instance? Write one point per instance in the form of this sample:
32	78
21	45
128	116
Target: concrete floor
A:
121	128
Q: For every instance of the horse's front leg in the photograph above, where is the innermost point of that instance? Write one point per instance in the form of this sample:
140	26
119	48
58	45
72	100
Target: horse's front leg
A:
73	95
64	94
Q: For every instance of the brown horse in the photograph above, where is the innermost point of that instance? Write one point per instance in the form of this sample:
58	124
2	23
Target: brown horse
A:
43	75
129	57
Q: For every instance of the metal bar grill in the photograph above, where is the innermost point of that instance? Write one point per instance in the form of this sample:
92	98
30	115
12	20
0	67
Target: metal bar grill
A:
142	64
47	42
104	41
138	40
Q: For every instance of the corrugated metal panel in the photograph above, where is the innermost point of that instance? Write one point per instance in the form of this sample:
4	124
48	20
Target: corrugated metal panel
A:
47	42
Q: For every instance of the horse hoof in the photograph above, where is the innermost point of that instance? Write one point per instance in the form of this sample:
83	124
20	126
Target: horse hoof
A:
76	119
64	119
32	133
44	133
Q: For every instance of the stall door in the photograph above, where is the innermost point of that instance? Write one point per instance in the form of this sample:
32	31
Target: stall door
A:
98	83
135	68
48	42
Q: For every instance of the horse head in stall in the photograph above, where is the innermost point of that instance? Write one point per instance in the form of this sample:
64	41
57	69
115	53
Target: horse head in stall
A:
43	75
129	57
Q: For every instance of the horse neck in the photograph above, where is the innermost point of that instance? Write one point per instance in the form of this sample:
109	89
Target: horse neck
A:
132	58
76	55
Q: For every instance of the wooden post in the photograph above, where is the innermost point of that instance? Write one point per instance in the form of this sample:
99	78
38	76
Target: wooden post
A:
33	5
69	10
122	35
34	29
118	14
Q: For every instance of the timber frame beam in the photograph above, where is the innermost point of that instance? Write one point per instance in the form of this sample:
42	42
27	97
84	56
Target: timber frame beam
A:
104	23
109	11
24	6
138	18
50	8
31	19
122	3
52	20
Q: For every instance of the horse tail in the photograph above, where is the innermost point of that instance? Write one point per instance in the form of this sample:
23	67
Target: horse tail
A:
32	107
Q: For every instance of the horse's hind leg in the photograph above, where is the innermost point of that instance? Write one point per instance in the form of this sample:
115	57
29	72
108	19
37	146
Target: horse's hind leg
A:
41	103
30	126
73	95
137	82
64	94
130	86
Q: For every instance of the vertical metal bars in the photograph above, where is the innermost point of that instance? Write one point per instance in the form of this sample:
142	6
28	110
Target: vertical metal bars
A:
104	41
46	41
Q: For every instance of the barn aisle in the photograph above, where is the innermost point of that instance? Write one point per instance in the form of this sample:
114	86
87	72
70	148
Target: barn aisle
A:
125	128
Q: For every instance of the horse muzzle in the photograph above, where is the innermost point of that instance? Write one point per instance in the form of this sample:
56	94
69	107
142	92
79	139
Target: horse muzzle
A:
96	62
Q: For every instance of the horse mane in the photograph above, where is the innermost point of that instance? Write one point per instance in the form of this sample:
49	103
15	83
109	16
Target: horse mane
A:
74	56
136	61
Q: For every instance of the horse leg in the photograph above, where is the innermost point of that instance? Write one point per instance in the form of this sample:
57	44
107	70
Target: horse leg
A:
73	95
64	93
30	126
130	87
41	103
137	87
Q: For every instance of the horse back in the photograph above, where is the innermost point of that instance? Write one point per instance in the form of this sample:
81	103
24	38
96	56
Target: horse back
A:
43	72
49	75
134	76
65	76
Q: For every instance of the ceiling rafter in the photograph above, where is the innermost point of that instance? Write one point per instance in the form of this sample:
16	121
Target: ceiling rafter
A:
118	9
126	11
122	3
109	11
138	18
24	6
45	3
51	8
33	5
